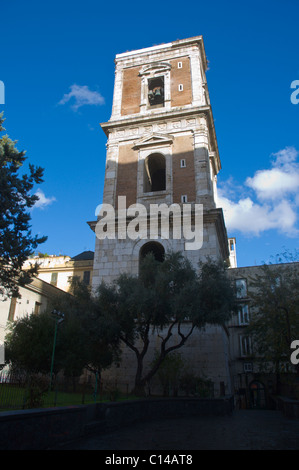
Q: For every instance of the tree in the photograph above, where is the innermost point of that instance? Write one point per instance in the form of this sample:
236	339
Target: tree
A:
16	239
84	339
169	373
29	343
168	300
274	321
99	335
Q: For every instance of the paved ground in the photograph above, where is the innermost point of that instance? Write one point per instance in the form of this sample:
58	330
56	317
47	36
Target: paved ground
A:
245	429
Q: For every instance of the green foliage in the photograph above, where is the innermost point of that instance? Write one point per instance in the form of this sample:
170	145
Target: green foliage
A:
194	385
169	372
37	389
168	299
29	343
84	339
16	240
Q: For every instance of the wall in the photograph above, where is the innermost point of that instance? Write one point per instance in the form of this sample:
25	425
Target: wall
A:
46	428
23	306
205	354
64	266
35	298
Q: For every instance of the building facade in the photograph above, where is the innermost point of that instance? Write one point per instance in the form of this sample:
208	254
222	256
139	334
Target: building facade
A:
60	270
162	150
35	297
254	380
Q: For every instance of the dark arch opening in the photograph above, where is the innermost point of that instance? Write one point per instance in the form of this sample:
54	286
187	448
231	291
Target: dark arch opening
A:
155	248
155	173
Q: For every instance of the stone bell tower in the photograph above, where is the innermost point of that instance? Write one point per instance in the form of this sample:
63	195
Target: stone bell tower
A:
161	148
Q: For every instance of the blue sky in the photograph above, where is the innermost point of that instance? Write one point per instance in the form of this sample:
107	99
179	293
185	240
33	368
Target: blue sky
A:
53	52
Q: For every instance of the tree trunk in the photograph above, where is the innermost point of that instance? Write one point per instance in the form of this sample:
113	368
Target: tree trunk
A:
277	373
139	388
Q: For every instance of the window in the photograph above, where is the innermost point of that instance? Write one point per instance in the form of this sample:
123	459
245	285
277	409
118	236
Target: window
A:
243	314
37	308
54	277
156	91
245	346
248	367
12	309
241	286
154	173
180	65
284	367
86	278
181	87
184	198
183	163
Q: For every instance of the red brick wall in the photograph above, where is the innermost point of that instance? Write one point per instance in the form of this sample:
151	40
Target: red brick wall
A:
131	91
183	178
180	76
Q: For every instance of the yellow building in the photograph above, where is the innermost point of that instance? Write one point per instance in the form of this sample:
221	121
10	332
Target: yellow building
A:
35	297
59	270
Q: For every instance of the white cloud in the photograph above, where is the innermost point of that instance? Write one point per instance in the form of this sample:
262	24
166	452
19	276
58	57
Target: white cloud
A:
43	201
82	96
272	202
279	181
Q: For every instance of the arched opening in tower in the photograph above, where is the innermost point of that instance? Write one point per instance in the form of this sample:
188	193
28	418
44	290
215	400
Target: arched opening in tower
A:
156	91
155	248
155	173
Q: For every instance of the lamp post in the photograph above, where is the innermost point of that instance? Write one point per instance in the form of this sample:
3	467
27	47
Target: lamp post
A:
59	318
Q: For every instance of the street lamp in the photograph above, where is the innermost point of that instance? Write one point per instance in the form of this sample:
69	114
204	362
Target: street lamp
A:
59	318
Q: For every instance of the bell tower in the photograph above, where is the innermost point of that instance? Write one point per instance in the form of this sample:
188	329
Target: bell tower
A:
161	149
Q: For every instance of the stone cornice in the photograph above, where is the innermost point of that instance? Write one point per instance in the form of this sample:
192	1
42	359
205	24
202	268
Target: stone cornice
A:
144	119
196	41
44	288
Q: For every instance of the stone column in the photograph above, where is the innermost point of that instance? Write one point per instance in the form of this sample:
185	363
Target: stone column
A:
203	181
111	173
197	80
116	106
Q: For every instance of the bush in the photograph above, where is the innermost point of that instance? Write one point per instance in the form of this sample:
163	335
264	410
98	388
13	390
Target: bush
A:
196	386
169	372
38	386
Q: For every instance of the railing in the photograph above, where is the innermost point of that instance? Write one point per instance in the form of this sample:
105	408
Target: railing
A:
25	391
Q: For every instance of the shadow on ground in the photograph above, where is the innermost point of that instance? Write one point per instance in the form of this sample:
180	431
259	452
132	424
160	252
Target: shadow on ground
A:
244	430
